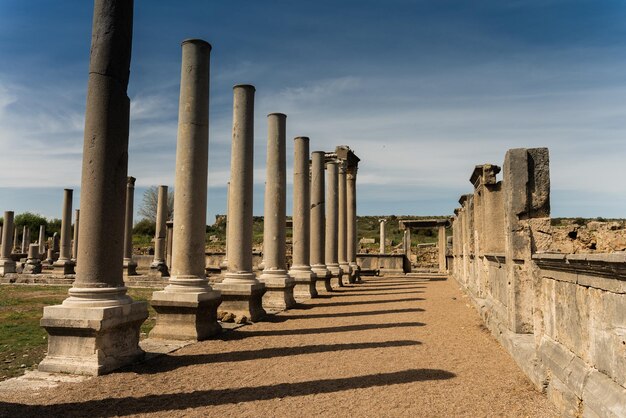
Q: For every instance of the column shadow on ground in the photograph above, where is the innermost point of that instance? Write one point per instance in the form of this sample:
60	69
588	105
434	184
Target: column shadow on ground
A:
111	407
347	314
371	302
241	333
358	293
169	362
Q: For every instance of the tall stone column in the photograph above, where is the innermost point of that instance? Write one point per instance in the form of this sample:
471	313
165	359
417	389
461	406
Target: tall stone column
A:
318	222
129	265
383	237
301	220
159	266
42	239
355	277
187	307
331	253
15	248
224	263
7	265
76	229
278	284
64	264
241	291
342	221
169	239
96	329
441	248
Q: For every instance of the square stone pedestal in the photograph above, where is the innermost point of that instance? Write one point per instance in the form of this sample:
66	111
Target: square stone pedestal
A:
346	272
92	341
322	283
278	290
130	267
336	273
355	276
186	315
64	267
158	270
243	299
304	288
7	266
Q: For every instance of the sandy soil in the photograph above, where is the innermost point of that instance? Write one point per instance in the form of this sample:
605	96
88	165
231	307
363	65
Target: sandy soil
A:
388	347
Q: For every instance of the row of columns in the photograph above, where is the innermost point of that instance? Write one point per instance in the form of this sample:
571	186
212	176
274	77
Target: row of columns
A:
96	329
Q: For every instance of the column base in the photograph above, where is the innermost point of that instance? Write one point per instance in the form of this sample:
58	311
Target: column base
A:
278	290
336	273
92	340
130	267
243	299
322	283
346	271
305	283
64	267
32	267
159	269
355	277
186	316
7	266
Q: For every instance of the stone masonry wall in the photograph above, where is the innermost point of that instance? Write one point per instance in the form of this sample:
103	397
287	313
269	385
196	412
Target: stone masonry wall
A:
562	317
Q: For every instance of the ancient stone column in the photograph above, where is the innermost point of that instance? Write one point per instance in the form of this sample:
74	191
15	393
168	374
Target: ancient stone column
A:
25	239
382	222
7	265
33	263
187	307
301	220
241	291
407	243
76	228
441	247
342	221
278	284
170	238
42	239
318	222
96	329
129	265
159	265
224	263
15	232
331	253
355	277
64	264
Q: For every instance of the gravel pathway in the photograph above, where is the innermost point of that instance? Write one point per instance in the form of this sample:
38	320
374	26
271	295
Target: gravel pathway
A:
392	347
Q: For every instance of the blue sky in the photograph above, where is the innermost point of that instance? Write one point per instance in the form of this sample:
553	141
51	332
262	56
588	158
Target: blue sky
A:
421	90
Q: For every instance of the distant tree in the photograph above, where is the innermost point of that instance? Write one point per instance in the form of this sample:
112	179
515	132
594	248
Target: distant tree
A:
148	208
54	225
31	220
145	227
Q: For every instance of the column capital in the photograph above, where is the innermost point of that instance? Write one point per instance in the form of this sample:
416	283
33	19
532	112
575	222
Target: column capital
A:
130	181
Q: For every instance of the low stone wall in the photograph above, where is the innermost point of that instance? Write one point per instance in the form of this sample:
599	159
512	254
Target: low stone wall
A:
562	317
382	264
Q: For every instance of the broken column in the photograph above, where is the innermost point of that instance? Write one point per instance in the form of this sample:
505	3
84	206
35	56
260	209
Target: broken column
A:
25	239
76	229
278	284
15	248
129	265
96	329
382	223
331	255
169	238
64	264
159	266
441	248
342	221
351	228
7	265
241	291
33	263
301	220
318	222
187	307
526	191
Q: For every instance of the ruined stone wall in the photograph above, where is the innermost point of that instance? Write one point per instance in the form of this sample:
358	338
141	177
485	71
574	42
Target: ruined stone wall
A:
562	317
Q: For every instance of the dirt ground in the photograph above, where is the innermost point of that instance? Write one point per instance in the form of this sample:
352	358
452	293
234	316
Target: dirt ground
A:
388	347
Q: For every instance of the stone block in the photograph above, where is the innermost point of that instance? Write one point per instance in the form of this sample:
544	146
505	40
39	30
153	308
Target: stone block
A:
603	397
304	288
243	299
92	340
278	290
